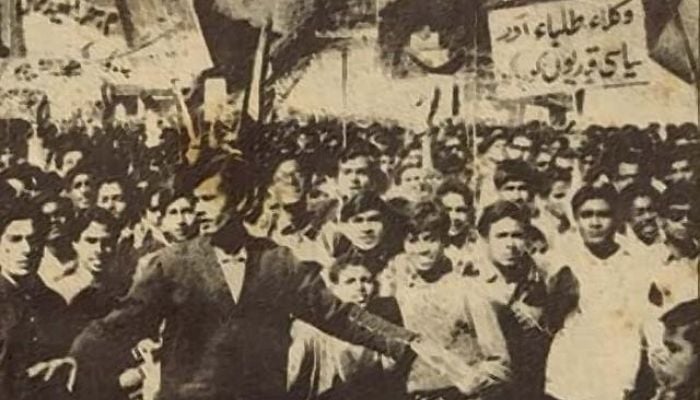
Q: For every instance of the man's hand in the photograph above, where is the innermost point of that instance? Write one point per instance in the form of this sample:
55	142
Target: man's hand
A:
527	316
47	369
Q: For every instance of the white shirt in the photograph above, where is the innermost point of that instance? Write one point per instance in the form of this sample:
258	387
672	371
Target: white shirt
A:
233	268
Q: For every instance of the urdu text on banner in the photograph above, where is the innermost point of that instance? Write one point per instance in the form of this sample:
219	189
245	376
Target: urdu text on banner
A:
567	45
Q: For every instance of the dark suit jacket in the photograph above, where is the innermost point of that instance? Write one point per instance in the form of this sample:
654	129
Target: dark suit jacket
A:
185	286
28	335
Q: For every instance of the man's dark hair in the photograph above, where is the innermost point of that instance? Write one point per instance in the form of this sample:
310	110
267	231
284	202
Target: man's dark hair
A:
679	194
24	210
93	214
686	314
427	217
459	188
553	175
238	180
356	149
353	258
501	210
586	193
514	170
363	202
637	190
83	167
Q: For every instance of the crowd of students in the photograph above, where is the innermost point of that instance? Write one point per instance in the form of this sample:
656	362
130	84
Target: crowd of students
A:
317	259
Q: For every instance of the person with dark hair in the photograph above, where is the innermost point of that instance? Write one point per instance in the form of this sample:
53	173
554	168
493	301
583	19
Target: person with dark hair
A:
515	181
531	301
670	368
227	299
457	200
320	364
676	165
679	219
411	184
554	218
639	203
611	283
441	305
79	186
675	281
27	306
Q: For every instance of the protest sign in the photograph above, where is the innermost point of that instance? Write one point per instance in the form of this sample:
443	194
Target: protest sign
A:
566	45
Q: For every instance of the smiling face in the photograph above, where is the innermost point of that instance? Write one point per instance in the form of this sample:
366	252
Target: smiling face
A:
643	219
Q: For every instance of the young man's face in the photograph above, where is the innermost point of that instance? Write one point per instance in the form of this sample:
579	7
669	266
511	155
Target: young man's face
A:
210	205
543	161
288	182
596	222
682	367
70	160
677	222
515	191
19	248
414	183
386	164
353	176
679	171
627	174
458	211
364	230
556	201
110	197
94	247
178	220
643	219
80	191
355	285
496	153
506	242
424	248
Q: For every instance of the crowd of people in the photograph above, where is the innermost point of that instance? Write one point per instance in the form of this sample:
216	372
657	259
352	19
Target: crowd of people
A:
313	259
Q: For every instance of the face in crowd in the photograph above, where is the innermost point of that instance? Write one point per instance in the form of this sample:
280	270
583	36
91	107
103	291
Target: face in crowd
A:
110	197
288	183
678	222
515	191
424	249
556	199
506	242
210	205
414	183
644	219
364	230
70	160
458	211
95	246
353	176
679	171
80	191
21	247
57	214
355	284
178	220
596	221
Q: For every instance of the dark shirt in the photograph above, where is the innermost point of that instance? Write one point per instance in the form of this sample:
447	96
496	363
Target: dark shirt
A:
27	336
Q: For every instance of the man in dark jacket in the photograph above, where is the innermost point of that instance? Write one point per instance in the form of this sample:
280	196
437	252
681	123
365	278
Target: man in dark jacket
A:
224	281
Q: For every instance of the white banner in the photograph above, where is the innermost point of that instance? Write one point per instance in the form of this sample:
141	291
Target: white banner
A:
566	45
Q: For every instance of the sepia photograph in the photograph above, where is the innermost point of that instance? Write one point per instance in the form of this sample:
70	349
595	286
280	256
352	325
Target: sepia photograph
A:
349	200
